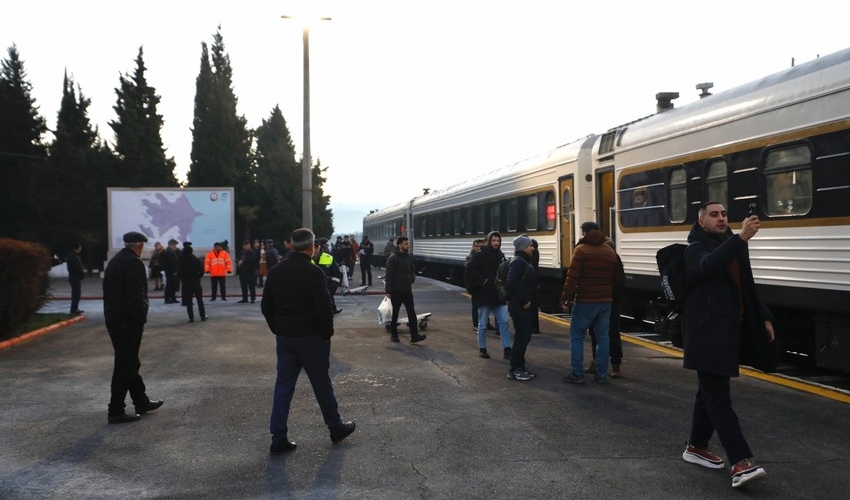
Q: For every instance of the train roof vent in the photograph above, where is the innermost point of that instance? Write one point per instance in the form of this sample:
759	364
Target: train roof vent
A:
606	145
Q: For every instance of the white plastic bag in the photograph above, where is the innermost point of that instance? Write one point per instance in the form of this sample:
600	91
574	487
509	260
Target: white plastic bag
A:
385	311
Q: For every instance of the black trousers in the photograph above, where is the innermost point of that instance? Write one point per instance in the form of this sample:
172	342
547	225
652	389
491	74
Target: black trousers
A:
218	281
76	292
248	285
523	322
172	284
126	340
406	299
365	270
190	291
713	412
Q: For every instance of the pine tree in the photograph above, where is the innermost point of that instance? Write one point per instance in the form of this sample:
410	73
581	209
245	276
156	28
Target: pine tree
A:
138	139
22	153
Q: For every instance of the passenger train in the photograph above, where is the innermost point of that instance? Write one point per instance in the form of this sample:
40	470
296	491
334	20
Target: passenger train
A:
779	146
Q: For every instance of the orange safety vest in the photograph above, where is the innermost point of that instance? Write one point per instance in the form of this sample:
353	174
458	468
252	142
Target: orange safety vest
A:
217	264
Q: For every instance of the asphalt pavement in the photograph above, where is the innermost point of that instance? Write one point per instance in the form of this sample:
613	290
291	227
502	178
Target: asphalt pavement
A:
434	421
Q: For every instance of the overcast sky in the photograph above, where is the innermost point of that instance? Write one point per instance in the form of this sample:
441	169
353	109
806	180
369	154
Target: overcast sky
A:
409	94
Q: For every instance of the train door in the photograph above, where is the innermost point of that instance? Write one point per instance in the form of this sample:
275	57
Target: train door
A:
565	189
605	201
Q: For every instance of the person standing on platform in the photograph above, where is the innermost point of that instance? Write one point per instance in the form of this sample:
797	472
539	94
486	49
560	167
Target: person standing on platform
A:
401	273
262	270
722	314
298	311
587	294
389	248
247	268
218	265
169	266
521	284
481	274
190	269
367	249
125	310
76	273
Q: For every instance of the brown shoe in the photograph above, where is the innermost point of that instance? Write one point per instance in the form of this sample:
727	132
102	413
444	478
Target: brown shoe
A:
615	371
591	368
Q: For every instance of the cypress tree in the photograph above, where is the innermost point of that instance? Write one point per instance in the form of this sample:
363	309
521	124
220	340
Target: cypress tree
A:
278	178
138	139
22	153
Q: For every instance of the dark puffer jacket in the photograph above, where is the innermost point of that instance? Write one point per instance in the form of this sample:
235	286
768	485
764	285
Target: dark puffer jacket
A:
711	320
481	275
521	282
401	273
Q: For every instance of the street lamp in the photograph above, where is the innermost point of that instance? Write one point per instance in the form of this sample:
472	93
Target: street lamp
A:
306	160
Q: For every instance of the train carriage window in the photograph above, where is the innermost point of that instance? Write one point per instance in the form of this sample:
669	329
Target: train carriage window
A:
531	213
677	195
550	210
478	219
466	221
512	216
447	223
495	217
457	225
437	228
716	184
424	226
788	181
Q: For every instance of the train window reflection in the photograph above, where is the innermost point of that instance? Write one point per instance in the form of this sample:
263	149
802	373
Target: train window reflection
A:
550	210
478	219
716	186
788	181
512	215
677	195
531	217
495	217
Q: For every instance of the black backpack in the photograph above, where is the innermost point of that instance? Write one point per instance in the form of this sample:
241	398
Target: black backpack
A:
671	267
502	279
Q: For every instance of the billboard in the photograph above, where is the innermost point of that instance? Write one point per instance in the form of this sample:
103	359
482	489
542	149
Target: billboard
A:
200	215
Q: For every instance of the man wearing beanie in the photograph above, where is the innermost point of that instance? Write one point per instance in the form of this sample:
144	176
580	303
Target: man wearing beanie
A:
587	294
522	285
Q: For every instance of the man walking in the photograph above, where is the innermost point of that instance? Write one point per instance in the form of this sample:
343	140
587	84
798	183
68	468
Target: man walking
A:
297	308
76	273
722	312
587	294
218	265
125	309
401	273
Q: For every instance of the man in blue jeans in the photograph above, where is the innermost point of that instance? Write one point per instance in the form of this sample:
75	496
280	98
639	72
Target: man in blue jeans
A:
297	307
587	294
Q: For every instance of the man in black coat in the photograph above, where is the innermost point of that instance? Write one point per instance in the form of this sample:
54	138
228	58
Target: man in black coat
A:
247	266
722	312
481	274
125	309
76	273
401	273
169	266
190	270
298	311
521	283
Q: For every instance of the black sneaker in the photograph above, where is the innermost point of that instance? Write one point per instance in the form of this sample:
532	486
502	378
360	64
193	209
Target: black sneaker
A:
530	374
573	379
482	353
280	446
417	338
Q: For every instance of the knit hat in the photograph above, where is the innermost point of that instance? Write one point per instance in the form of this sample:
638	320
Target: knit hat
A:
521	242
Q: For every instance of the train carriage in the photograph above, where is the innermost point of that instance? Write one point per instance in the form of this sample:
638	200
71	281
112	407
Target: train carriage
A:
778	146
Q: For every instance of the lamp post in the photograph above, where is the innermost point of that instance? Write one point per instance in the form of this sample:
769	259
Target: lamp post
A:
306	160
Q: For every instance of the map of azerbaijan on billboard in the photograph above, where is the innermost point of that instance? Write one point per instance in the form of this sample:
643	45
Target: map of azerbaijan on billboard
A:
200	215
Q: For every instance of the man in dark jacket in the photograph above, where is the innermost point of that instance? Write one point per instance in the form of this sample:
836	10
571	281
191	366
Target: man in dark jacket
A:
480	273
76	273
401	273
169	266
125	309
367	249
298	310
522	287
247	266
722	312
587	294
190	270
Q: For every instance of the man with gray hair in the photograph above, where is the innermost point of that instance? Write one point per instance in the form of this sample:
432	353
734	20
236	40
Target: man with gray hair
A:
125	309
297	307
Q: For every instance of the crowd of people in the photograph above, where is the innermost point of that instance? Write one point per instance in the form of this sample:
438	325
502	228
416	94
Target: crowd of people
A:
298	306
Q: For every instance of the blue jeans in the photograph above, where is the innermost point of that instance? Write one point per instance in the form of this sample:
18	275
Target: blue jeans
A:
583	317
501	315
313	354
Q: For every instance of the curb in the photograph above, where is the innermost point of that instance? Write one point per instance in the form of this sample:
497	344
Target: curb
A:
7	344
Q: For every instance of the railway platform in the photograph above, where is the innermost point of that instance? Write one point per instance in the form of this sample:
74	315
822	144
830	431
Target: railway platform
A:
434	420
